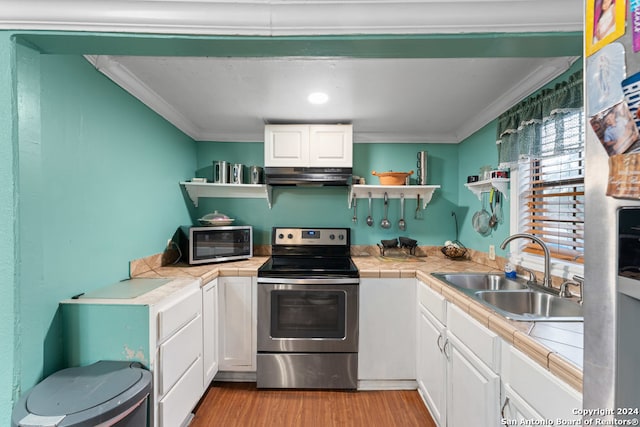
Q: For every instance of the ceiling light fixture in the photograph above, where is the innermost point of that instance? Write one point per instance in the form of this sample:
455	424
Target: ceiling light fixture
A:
318	98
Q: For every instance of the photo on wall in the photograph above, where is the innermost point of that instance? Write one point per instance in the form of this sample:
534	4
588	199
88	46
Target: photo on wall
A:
605	20
616	130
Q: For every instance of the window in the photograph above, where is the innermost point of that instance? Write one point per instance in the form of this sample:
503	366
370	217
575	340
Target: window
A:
542	140
550	191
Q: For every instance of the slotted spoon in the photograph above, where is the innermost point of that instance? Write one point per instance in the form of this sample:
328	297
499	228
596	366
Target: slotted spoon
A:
402	225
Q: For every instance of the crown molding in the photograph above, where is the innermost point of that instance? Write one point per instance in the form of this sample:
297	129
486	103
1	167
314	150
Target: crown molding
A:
133	85
280	18
535	80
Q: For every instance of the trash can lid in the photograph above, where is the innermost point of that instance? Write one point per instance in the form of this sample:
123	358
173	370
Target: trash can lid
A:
74	390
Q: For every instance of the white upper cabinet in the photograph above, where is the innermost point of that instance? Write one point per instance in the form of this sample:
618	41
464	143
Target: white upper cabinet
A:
308	146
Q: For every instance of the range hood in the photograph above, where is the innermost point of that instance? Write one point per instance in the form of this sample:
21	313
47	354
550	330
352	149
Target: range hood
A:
308	176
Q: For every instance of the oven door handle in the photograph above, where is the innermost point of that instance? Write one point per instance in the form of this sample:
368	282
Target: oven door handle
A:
334	281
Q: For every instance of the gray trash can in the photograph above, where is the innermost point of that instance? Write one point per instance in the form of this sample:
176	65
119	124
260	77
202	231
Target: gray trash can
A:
105	393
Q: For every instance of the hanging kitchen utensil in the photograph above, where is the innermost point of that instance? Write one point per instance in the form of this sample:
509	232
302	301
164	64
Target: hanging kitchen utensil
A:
402	225
498	197
418	214
481	219
355	217
385	223
369	218
493	220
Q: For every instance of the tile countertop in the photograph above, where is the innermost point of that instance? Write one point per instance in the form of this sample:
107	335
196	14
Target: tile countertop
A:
557	346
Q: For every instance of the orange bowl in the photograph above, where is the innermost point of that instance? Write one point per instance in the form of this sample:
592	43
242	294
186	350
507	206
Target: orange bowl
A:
392	178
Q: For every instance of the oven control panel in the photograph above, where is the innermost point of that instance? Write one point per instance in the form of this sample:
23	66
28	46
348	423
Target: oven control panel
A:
311	236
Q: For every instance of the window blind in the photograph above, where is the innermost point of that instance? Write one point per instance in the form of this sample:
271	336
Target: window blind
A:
552	191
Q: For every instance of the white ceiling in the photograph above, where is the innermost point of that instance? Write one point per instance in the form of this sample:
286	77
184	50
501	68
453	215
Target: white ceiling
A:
386	100
223	94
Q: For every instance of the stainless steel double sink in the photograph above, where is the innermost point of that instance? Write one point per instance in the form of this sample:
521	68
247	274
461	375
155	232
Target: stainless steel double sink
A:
514	298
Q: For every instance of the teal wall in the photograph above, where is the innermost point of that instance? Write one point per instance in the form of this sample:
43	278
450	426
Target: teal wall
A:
480	150
90	176
98	184
8	218
97	332
476	151
328	206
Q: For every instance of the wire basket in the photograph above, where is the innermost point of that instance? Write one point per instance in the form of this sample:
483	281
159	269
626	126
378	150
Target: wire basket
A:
455	249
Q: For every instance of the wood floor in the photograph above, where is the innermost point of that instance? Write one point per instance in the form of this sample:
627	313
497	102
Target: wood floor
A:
241	404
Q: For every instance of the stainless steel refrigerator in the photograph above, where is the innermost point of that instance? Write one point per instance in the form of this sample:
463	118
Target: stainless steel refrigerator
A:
611	302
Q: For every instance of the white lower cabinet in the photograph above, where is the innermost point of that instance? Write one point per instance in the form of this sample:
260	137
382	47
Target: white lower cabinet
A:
431	366
178	379
474	389
209	331
468	376
531	392
387	337
456	378
238	324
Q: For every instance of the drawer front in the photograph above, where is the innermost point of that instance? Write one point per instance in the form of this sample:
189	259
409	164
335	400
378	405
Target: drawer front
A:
174	408
178	314
178	353
481	341
548	395
432	301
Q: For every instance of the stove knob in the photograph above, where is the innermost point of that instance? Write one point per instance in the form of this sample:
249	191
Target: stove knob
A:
280	236
289	236
341	236
332	236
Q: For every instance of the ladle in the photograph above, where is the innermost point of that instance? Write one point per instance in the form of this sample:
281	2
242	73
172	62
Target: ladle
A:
385	222
369	219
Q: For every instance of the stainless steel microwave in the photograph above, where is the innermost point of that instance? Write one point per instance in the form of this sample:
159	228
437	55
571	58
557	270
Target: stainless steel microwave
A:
202	245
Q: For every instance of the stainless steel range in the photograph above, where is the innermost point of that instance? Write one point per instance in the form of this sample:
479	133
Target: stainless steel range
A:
308	311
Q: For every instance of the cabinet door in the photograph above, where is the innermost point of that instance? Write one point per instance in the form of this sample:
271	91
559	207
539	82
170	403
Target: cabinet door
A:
431	366
286	145
237	338
387	337
210	331
331	145
474	389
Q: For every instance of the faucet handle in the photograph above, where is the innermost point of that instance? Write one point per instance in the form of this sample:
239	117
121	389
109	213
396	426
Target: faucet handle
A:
564	291
532	275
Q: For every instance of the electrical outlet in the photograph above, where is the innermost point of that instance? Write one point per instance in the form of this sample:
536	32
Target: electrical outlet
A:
492	252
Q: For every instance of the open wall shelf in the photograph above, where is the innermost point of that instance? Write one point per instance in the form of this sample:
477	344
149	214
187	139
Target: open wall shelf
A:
393	192
500	184
196	190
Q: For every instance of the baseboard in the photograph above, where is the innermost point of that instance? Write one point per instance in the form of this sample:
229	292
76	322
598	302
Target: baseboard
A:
240	377
387	385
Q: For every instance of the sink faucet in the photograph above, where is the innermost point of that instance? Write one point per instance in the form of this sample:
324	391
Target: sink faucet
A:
547	256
